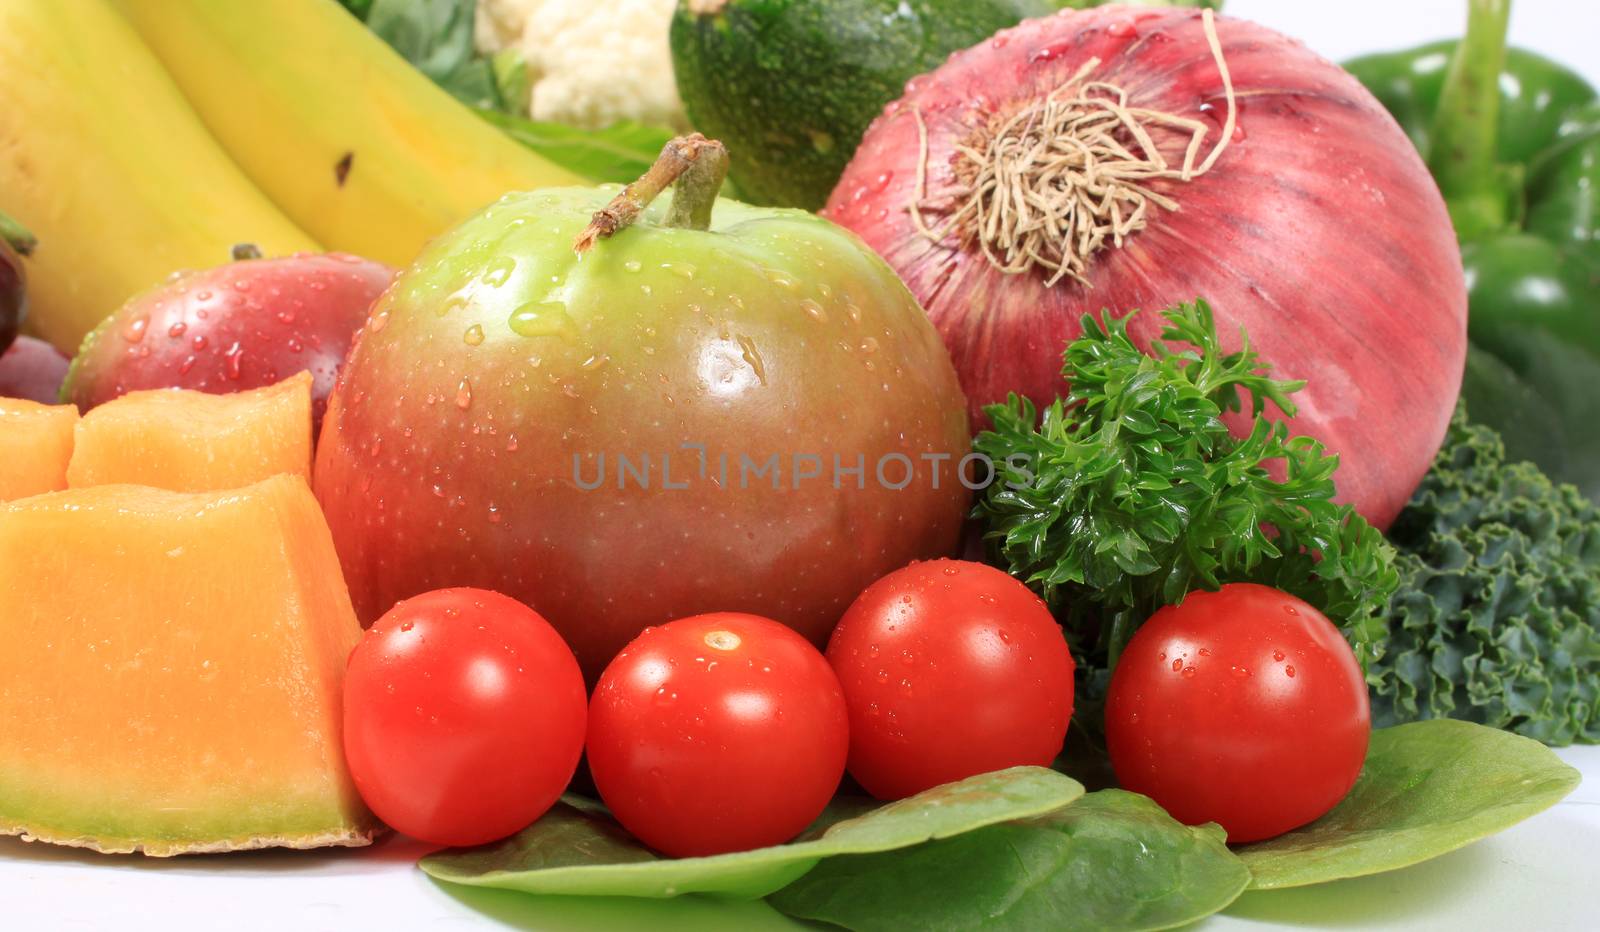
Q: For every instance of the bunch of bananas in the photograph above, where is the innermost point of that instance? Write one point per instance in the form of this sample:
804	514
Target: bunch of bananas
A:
140	137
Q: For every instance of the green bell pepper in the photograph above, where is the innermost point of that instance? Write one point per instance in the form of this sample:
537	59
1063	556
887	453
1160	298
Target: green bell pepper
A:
1513	139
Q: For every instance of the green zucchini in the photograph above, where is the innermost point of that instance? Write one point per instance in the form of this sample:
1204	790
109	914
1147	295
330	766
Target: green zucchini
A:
790	85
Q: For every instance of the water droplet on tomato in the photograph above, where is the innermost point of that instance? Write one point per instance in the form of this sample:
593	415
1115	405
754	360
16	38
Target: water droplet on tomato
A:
1289	671
1277	655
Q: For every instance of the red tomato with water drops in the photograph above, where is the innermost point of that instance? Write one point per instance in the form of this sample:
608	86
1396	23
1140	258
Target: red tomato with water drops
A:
248	323
950	669
463	716
717	733
1243	707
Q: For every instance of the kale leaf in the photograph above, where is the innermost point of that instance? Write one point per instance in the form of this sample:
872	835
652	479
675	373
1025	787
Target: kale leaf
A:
1497	620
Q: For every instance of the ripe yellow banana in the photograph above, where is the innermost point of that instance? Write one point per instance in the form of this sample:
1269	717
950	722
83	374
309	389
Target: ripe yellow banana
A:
357	146
103	159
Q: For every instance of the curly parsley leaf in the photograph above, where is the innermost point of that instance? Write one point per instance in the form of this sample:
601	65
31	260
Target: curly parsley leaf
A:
1131	491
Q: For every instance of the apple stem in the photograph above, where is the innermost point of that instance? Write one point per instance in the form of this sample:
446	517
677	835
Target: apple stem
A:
17	236
243	252
693	165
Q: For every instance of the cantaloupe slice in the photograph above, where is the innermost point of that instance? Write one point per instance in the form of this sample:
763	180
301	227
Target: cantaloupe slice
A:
172	669
190	441
35	445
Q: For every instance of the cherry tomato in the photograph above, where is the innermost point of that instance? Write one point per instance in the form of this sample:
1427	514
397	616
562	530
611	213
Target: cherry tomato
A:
1243	707
717	733
949	669
463	716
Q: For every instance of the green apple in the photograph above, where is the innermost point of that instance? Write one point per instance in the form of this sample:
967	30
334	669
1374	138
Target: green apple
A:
715	407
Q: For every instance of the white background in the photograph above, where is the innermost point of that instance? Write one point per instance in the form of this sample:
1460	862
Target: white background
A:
1566	30
1544	874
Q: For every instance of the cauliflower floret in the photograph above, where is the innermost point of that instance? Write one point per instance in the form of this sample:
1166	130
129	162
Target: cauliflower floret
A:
591	63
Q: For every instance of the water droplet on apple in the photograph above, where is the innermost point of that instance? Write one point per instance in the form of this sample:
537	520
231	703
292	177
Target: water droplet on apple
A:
233	361
499	271
543	319
134	330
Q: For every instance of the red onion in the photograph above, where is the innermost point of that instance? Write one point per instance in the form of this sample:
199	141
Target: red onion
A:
1080	162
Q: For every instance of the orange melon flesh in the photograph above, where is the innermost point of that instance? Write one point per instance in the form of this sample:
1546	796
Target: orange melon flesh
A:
189	441
35	445
172	672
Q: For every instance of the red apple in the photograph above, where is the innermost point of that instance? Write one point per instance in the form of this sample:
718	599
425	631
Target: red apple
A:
32	369
249	323
15	242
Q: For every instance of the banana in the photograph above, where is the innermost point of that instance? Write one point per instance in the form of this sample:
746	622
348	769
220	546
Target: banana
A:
103	159
361	149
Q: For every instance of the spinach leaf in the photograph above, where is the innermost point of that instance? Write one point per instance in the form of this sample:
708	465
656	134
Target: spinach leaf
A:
1426	789
578	849
1111	860
436	37
618	153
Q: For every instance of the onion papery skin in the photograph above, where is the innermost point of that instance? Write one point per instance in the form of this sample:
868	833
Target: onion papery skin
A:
1318	230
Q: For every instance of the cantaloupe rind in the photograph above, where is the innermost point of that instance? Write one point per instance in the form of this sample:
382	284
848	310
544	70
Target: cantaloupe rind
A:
171	848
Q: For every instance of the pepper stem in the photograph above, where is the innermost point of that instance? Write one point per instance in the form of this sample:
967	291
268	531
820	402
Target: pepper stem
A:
693	165
17	236
1466	124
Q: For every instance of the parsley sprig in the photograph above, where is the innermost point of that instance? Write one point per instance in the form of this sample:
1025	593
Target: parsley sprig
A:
1131	492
